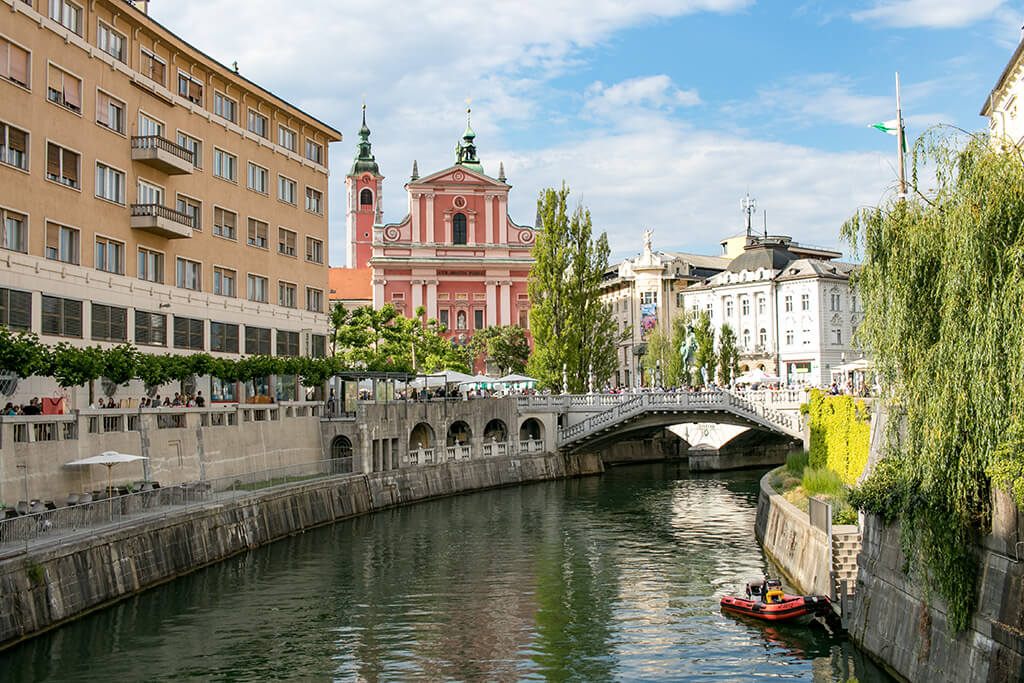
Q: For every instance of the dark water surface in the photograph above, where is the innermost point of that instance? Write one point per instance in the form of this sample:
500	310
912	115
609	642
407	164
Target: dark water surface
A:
611	578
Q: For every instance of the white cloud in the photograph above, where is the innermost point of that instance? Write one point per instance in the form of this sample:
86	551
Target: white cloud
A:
928	13
645	92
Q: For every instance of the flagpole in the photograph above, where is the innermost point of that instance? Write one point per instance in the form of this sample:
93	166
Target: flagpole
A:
899	140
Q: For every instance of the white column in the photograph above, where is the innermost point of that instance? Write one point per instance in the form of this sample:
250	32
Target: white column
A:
490	237
417	297
431	299
378	293
506	303
430	237
492	303
503	219
417	219
471	229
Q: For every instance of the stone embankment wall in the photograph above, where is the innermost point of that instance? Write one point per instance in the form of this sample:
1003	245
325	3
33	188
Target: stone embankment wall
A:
64	582
800	550
901	623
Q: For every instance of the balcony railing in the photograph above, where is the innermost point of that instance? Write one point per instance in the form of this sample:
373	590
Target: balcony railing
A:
161	211
157	142
162	154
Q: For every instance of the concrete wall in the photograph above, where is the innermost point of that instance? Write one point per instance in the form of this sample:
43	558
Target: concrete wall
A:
800	550
903	624
64	582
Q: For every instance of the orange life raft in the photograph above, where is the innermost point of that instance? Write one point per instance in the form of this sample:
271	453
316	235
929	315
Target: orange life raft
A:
765	600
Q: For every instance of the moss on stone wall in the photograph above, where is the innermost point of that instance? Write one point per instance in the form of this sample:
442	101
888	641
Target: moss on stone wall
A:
840	434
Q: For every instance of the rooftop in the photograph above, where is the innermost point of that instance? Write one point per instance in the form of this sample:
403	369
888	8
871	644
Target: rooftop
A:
350	284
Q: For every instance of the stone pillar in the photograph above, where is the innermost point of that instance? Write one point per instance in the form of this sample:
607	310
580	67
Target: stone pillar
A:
447	237
471	228
432	298
503	219
490	237
492	303
506	303
430	237
378	292
417	297
416	217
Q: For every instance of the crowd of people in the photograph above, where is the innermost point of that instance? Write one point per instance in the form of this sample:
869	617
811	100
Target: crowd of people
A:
179	401
33	407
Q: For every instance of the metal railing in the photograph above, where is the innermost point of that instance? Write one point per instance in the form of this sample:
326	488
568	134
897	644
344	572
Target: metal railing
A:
154	500
162	143
161	211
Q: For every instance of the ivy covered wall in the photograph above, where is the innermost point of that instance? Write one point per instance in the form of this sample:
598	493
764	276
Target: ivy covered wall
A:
840	434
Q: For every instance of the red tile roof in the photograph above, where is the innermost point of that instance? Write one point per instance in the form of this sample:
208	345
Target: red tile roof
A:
348	284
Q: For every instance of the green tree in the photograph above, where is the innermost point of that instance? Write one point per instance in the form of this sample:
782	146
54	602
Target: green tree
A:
74	367
22	354
505	346
569	322
705	357
728	356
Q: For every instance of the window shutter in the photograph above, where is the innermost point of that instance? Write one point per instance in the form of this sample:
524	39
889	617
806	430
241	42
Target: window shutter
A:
70	167
180	332
100	321
17	139
118	324
52	160
195	91
19	310
72	318
73	92
5	70
158	72
195	337
141	327
18	66
102	109
54	79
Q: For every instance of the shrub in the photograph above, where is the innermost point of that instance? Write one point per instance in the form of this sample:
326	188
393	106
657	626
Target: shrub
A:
821	481
796	461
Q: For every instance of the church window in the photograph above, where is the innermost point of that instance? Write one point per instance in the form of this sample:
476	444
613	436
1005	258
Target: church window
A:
366	197
459	229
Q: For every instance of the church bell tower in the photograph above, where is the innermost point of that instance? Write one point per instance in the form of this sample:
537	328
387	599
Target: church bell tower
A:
364	183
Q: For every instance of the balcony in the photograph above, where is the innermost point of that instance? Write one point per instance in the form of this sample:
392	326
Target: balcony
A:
162	154
161	220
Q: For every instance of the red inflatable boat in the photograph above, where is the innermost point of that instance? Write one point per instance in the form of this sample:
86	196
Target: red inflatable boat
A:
765	600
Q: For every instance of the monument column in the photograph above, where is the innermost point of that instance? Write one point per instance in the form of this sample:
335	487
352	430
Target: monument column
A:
492	303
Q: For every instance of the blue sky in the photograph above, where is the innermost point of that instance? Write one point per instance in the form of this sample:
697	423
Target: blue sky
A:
658	114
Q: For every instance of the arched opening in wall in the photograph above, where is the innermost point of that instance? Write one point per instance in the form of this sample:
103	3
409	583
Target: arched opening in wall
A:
366	197
761	367
459	434
421	436
341	455
531	430
495	430
744	368
459	228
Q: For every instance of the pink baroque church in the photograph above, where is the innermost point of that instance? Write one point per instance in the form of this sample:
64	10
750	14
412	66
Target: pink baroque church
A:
456	253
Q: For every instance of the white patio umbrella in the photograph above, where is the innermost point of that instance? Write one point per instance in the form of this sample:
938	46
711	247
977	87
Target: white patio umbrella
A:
108	458
756	376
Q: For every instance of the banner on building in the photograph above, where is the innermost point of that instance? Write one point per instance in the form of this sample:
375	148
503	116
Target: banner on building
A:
648	319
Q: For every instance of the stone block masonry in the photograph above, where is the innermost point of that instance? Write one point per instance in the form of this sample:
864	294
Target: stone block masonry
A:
57	584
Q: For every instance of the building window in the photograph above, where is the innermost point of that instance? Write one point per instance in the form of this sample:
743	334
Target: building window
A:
314	250
443	317
258	233
836	304
837	336
14	62
224	222
109	323
287	138
317	346
478	319
524	319
256	288
148	193
366	198
14	146
760	305
789	304
150	127
728	308
193	145
287	343
225	165
110	184
805	302
111	42
192	208
110	112
109	255
314	151
286	240
259	124
314	300
152	67
62	243
225	107
286	190
224	281
648	298
150	328
62	165
258	178
190	88
223	337
67	14
257	341
746	339
745	306
189	274
15	309
314	201
151	265
459	229
789	336
15	233
853	303
286	294
188	333
762	338
61	317
64	89
806	336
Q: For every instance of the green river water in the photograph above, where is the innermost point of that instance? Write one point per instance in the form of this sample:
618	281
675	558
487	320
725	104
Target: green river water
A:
609	578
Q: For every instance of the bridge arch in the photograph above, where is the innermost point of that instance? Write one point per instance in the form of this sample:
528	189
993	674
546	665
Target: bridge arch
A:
341	454
496	430
459	433
532	429
421	436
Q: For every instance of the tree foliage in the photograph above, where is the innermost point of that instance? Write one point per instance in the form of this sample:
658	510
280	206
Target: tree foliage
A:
569	322
728	356
506	346
705	357
943	288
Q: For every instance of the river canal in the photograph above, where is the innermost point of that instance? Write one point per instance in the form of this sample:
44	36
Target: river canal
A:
610	578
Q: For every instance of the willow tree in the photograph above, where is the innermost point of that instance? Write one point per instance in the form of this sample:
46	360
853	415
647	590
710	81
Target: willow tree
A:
942	283
570	324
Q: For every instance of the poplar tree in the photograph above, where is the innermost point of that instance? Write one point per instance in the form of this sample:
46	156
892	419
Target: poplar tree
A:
569	322
728	356
705	355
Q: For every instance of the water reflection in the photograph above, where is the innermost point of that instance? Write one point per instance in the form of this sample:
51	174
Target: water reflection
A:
596	579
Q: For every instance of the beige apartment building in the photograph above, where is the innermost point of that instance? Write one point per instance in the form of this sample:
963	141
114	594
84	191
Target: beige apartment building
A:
149	194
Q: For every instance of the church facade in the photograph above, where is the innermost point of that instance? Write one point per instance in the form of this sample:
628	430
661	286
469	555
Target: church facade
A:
456	253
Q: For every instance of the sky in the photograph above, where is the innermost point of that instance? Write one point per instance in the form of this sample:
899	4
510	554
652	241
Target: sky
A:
659	114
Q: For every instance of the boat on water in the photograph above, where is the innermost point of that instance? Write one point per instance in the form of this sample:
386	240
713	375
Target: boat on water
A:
765	600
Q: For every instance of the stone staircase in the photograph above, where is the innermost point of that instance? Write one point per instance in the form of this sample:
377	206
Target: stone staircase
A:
845	547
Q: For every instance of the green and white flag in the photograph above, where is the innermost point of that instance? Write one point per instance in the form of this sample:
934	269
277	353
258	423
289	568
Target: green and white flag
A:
890	127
